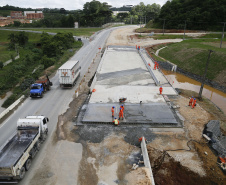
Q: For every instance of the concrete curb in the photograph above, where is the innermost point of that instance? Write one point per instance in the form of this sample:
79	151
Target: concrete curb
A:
11	107
147	163
98	69
157	52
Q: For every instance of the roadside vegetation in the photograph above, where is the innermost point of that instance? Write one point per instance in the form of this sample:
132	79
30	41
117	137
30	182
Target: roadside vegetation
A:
36	58
76	32
191	55
7	53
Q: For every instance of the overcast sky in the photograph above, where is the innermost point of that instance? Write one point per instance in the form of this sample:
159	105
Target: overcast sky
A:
72	4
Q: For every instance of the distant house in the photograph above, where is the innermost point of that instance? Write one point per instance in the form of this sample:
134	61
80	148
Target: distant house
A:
124	9
117	12
16	15
26	12
33	15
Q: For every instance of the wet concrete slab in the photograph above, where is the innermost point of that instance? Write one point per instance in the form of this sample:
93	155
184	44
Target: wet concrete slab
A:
151	113
134	94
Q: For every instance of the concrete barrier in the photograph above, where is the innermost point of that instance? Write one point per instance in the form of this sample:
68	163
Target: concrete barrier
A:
11	107
149	69
147	163
9	61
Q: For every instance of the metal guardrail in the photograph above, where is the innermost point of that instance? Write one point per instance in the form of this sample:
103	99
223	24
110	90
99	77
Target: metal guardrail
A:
149	69
11	106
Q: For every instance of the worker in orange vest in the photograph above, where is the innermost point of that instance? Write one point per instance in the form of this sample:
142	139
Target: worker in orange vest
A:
157	64
191	101
113	111
116	122
120	114
122	107
194	103
160	90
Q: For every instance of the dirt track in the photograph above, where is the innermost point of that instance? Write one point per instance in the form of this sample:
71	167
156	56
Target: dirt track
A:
108	152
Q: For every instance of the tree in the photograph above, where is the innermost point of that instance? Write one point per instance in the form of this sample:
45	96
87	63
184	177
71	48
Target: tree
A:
17	23
47	62
13	40
22	38
1	65
95	13
70	21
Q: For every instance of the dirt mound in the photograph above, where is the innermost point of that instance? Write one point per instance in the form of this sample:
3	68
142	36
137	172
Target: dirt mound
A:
168	171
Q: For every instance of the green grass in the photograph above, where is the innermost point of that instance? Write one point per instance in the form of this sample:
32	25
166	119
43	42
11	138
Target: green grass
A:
76	32
5	53
191	55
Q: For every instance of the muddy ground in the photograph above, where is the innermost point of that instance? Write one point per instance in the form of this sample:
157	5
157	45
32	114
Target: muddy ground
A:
105	153
179	157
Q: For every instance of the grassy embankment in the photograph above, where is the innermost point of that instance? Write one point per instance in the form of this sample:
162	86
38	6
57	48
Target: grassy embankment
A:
76	32
16	76
191	55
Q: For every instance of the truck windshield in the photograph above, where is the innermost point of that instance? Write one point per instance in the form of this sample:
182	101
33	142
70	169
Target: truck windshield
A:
36	87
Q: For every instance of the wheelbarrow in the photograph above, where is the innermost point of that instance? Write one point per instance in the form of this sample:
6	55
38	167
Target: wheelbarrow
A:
122	100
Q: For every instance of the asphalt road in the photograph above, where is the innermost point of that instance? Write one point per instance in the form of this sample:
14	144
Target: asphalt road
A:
55	101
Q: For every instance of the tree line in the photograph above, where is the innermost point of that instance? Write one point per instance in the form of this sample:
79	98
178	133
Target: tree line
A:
93	14
200	15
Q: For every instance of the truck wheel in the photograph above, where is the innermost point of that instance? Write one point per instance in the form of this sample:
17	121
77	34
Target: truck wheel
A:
38	145
44	136
28	164
33	152
22	173
41	95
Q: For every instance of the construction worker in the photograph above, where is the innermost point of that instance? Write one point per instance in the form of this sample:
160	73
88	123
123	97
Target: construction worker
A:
160	90
157	64
122	107
194	103
116	122
120	114
113	111
191	101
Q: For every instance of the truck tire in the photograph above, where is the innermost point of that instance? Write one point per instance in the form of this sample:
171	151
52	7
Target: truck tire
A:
28	164
41	95
44	136
22	173
38	145
33	152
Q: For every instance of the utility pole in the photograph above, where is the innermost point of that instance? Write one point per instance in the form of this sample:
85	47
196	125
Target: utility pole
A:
145	19
140	21
163	29
222	35
184	30
204	76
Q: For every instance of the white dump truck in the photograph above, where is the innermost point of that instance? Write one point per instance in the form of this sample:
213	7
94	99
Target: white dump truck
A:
69	73
16	155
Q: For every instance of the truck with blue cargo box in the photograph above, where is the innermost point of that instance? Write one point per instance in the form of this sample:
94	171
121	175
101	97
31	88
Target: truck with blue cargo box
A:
17	154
